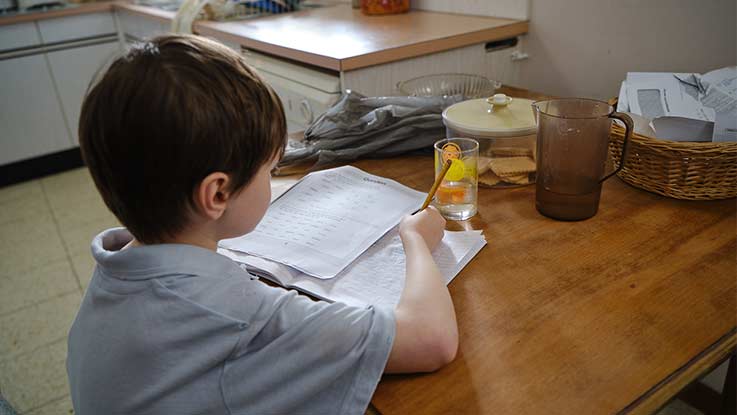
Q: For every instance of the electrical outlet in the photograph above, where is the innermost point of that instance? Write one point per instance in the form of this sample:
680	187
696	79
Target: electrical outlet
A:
518	56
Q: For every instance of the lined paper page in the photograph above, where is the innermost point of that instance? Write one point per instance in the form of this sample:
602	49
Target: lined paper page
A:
327	220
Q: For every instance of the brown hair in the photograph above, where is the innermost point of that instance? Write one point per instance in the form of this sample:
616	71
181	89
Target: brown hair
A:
165	115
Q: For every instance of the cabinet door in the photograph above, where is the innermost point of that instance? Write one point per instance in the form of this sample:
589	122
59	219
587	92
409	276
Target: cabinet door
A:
82	26
302	104
31	122
73	69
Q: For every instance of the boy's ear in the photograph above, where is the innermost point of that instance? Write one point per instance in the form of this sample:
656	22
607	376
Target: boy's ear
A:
212	195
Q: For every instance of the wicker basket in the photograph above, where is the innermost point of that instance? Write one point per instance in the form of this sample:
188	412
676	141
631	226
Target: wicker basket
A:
681	170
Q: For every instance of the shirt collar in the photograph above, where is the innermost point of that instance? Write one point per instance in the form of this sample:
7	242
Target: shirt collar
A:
152	261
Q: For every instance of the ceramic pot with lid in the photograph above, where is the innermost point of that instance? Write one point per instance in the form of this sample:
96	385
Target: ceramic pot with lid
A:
506	131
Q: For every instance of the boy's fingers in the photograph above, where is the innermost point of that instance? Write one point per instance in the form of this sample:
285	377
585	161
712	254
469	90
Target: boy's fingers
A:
432	210
436	213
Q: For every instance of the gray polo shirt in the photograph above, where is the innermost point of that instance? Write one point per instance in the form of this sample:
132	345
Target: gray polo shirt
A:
177	329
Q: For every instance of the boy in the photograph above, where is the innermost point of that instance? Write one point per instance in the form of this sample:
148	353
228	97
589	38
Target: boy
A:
180	136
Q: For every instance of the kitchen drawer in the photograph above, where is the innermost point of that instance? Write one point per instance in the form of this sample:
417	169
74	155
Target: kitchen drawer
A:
76	27
21	35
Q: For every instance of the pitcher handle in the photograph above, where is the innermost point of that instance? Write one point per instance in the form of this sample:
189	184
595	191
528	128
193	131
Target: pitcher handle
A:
628	127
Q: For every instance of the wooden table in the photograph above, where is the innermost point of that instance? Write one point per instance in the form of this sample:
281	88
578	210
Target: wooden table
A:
614	314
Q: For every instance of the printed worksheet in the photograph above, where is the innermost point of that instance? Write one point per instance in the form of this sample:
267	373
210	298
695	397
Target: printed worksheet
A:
377	276
327	220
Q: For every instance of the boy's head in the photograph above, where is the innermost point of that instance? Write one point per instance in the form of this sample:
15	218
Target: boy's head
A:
168	114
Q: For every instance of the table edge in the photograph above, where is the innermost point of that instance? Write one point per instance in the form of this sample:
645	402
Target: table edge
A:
662	392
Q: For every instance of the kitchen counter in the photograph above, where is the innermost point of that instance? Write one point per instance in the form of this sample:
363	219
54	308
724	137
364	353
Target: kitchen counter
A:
341	38
335	37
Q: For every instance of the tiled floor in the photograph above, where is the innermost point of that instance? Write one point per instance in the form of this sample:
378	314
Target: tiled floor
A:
46	227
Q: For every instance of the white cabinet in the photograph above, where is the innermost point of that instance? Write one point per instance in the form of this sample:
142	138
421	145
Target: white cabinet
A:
302	104
30	116
305	93
20	35
83	26
73	70
45	69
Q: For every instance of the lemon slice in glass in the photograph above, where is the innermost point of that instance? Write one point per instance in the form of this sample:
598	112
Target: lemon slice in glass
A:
456	171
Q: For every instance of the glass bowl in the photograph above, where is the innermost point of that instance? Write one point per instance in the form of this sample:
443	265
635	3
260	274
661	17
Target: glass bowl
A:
468	85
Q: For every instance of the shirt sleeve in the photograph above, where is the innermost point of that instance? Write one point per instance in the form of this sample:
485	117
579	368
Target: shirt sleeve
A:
301	356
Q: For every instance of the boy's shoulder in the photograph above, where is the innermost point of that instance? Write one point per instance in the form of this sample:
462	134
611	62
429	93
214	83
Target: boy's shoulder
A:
171	273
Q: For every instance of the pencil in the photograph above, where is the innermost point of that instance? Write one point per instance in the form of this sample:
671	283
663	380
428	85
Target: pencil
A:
435	185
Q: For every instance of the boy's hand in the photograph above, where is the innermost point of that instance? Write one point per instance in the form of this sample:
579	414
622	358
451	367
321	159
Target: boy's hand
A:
429	224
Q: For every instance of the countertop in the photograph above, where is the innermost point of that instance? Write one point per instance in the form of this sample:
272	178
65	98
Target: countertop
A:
333	37
342	38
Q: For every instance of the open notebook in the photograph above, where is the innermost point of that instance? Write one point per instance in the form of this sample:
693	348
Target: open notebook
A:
376	277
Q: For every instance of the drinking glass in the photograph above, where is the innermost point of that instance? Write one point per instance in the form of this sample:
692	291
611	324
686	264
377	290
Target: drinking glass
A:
457	195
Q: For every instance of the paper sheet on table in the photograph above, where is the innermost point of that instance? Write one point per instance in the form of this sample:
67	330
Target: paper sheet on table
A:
724	79
721	95
327	220
377	276
673	106
665	95
643	126
684	106
685	85
623	103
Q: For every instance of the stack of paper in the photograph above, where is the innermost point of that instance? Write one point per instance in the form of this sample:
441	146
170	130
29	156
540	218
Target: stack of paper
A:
376	277
682	106
334	235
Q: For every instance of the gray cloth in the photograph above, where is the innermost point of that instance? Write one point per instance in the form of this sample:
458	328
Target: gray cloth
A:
5	408
360	127
177	329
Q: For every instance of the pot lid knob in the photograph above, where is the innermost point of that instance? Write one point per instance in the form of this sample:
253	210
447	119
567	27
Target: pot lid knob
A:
499	100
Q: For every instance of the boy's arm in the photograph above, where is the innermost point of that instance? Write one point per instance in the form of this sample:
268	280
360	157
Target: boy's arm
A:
426	332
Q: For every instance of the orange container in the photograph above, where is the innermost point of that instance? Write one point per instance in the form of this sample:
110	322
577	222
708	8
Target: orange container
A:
384	6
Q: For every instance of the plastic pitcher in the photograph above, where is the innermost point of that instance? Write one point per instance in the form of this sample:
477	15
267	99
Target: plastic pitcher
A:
572	150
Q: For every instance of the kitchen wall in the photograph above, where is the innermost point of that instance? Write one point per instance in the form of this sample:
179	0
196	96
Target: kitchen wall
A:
586	47
514	9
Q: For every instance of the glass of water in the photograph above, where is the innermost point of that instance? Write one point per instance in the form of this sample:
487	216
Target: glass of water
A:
457	195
